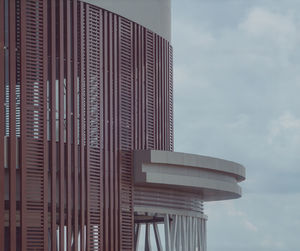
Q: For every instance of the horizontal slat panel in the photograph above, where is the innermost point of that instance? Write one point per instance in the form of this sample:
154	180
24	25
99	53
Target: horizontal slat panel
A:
164	198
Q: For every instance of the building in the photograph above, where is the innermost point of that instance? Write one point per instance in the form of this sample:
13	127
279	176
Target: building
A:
86	129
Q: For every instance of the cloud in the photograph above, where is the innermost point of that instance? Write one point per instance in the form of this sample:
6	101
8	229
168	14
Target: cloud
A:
241	121
273	34
271	243
287	122
284	139
264	23
240	216
237	85
250	226
260	222
197	35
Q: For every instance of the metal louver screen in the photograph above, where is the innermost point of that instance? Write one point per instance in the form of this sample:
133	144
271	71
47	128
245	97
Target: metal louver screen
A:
167	199
126	118
93	117
34	132
81	87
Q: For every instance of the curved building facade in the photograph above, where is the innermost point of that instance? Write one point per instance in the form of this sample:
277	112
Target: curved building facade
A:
86	129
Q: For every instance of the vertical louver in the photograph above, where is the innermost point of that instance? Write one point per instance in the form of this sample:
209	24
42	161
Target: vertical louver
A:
81	88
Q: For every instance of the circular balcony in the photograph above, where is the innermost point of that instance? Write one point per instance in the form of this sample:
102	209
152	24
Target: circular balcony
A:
211	178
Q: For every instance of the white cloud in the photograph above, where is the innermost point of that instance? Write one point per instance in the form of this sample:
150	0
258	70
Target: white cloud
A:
278	28
271	243
240	216
285	128
250	226
195	35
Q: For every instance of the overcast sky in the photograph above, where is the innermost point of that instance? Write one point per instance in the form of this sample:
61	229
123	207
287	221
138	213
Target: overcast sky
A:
237	97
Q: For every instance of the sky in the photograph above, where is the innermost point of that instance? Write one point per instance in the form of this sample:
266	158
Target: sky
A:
236	96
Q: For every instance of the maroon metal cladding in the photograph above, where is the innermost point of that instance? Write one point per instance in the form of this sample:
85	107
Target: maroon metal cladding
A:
2	123
61	126
44	84
75	159
150	91
116	145
170	99
68	121
23	158
12	125
93	132
126	132
106	84
82	76
34	150
87	132
94	87
53	149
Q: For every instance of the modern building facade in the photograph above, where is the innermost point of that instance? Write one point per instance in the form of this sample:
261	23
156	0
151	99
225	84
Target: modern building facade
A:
86	129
